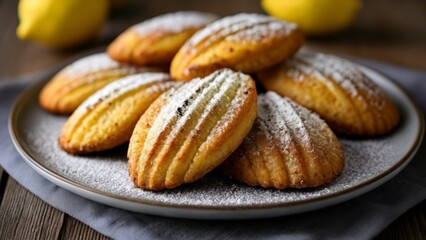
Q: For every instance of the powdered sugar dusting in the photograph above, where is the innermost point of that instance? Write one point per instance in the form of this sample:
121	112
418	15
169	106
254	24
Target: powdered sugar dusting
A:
108	172
289	127
293	115
174	22
259	32
244	26
215	92
327	66
167	115
288	122
237	83
366	159
122	86
93	63
276	123
182	105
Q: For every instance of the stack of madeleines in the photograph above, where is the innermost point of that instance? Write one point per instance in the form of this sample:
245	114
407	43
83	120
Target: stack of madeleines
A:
207	113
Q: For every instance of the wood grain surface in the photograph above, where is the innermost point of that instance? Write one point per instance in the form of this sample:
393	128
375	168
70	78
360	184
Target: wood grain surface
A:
392	31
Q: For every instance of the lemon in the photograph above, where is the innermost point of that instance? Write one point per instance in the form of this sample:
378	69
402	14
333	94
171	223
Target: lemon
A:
314	17
61	24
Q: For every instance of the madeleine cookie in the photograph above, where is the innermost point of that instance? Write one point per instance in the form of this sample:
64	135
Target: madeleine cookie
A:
243	42
288	147
157	40
337	90
186	133
73	84
107	118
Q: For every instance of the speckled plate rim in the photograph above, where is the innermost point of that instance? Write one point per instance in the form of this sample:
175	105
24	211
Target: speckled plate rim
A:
210	212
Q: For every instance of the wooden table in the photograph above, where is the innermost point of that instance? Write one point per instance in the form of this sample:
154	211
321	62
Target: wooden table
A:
393	31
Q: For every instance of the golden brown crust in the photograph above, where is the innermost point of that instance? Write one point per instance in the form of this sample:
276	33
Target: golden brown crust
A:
244	42
157	40
107	118
334	88
288	147
73	84
186	133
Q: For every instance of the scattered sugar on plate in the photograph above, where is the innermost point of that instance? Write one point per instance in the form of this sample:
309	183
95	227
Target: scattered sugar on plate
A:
365	159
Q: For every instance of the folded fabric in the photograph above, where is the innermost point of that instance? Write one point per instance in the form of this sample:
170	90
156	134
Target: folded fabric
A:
359	218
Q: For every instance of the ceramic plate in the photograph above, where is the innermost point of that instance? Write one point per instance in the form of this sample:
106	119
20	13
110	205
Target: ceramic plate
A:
103	178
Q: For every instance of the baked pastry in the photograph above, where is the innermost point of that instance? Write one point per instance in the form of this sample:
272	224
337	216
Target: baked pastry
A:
73	84
107	118
156	41
243	42
337	90
186	133
288	147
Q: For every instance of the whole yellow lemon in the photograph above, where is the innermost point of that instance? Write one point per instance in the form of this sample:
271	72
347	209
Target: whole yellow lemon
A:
61	24
314	17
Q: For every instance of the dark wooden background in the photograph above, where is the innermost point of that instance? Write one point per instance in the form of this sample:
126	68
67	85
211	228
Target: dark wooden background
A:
393	31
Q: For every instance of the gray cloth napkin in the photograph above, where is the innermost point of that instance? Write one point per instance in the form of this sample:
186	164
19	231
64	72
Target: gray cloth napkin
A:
359	218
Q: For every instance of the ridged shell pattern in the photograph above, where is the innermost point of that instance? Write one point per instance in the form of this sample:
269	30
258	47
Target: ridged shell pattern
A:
73	84
241	27
96	63
337	90
174	22
107	118
288	147
188	132
156	41
243	42
150	82
324	66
